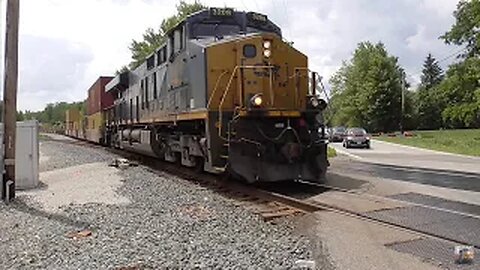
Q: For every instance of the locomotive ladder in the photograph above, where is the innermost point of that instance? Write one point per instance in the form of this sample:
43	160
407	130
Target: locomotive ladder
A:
224	155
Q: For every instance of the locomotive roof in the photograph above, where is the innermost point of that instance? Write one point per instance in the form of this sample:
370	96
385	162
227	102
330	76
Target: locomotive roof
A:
228	16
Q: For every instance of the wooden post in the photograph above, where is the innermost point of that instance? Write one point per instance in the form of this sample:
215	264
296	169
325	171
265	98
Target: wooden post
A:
10	98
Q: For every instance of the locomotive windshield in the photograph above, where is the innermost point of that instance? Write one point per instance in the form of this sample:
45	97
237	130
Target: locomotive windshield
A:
225	22
214	29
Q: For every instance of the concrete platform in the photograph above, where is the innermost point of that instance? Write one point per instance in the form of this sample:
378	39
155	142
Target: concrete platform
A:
357	245
82	184
94	182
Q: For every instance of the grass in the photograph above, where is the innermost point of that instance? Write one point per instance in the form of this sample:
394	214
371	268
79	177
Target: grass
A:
43	137
459	141
331	152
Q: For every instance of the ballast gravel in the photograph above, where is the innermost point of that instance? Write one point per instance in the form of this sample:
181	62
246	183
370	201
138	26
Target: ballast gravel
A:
61	154
169	223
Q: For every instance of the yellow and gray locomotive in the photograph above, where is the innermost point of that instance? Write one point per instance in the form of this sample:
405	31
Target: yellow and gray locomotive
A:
224	93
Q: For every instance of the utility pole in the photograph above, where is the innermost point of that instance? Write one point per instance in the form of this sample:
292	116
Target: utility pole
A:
10	98
403	101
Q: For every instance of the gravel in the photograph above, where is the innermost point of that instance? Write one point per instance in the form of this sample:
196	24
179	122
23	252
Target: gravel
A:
170	223
62	155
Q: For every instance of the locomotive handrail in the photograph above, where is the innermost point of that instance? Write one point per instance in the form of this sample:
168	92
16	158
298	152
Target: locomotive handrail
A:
220	112
295	74
215	88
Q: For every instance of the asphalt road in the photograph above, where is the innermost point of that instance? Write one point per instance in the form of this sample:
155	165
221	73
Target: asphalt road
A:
393	161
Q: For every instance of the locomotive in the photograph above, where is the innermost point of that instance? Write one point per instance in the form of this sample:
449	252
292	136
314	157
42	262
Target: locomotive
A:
224	94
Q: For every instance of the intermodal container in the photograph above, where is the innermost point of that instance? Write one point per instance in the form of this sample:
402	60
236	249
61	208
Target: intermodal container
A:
71	117
98	99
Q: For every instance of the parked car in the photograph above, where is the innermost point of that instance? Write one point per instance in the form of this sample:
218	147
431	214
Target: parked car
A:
356	137
337	134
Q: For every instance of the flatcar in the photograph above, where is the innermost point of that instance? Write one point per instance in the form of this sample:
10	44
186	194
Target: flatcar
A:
226	94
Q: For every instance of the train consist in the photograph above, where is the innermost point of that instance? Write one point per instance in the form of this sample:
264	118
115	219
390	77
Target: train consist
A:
224	93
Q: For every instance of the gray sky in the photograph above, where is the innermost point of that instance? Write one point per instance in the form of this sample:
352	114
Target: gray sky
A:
66	44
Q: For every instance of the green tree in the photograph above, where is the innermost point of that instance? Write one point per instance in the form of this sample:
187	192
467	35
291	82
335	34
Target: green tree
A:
54	112
428	103
152	39
20	116
432	73
466	31
460	94
121	70
460	90
366	91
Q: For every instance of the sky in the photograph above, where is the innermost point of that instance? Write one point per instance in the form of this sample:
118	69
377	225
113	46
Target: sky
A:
66	44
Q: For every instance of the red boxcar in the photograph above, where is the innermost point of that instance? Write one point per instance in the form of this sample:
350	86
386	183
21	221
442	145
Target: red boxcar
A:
98	99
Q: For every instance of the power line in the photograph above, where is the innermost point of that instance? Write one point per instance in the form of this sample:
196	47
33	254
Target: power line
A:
243	4
451	55
286	17
254	1
439	61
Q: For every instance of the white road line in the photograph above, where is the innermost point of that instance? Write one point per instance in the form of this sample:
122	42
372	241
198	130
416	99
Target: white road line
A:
341	151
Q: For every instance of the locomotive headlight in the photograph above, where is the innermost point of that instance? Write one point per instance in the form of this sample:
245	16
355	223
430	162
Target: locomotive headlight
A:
317	103
267	44
257	100
267	53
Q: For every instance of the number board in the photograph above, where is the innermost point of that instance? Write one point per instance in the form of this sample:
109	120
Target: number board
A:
257	17
221	12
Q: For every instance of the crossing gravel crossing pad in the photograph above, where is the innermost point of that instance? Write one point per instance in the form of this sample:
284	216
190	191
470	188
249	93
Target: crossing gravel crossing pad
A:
435	251
436	222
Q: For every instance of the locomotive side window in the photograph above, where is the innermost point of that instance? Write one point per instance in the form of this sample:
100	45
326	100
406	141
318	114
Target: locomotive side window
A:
154	85
181	39
137	111
146	92
162	55
177	40
249	50
151	62
171	44
131	110
142	88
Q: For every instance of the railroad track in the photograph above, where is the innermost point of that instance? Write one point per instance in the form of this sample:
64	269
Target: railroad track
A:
250	197
262	200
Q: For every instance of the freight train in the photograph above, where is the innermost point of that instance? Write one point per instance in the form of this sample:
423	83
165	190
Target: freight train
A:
224	94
